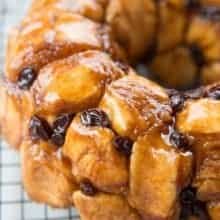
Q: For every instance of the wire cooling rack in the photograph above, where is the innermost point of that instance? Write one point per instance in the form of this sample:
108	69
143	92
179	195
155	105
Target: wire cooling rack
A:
14	202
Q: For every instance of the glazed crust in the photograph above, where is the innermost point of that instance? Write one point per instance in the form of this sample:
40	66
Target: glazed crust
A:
103	206
94	157
57	87
43	39
15	112
194	120
214	210
91	131
46	174
157	172
133	113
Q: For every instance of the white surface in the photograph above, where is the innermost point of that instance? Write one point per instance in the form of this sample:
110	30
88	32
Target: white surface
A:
14	203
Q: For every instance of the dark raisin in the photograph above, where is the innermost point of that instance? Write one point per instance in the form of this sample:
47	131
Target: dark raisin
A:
95	117
211	12
195	93
60	126
176	101
26	78
62	122
199	210
197	55
39	128
123	145
186	212
58	139
191	206
87	188
188	196
187	200
214	94
179	140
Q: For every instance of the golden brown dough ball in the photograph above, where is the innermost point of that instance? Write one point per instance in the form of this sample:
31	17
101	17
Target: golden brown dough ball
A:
15	111
214	210
47	175
133	23
44	39
75	83
200	119
155	171
134	105
93	154
175	68
210	73
104	206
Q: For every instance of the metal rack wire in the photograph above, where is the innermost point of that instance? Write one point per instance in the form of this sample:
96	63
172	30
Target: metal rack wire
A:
14	202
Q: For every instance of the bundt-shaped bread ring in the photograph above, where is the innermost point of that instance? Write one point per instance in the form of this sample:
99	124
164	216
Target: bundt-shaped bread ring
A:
94	134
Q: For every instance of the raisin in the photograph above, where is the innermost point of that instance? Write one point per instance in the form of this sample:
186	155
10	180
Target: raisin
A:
195	93
26	78
58	139
176	100
87	188
179	140
187	200
123	145
214	93
62	122
199	210
188	196
191	206
60	126
39	129
95	117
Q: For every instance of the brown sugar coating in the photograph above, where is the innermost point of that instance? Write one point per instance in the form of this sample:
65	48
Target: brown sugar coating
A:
133	24
213	209
94	157
57	87
135	105
43	39
46	174
94	134
157	173
16	109
200	119
104	206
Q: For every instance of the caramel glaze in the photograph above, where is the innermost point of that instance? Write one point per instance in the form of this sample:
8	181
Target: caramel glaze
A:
47	174
43	39
129	147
